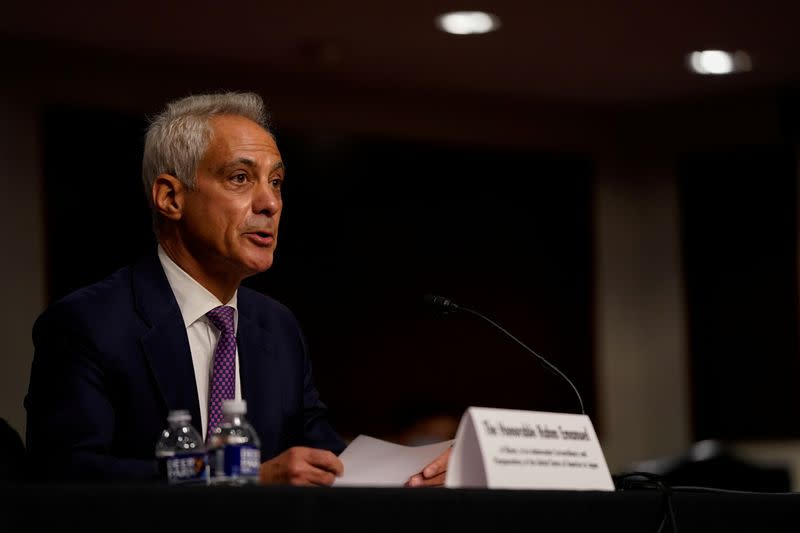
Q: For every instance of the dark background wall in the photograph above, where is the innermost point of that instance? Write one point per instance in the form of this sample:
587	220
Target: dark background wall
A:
372	223
370	226
739	213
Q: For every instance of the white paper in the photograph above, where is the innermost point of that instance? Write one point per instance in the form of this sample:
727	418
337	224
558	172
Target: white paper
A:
373	462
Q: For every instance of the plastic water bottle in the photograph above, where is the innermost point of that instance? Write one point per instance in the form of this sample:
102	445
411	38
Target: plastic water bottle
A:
234	447
180	451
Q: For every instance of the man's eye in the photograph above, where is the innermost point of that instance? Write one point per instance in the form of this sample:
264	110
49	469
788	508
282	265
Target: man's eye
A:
276	183
239	178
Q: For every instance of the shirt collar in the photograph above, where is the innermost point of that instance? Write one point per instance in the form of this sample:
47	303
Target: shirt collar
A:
194	300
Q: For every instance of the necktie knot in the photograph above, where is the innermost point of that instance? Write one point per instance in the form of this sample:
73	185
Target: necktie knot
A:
222	318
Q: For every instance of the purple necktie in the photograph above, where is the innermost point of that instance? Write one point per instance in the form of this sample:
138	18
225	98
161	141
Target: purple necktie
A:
222	384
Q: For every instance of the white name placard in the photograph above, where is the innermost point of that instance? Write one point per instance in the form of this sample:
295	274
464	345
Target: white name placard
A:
511	449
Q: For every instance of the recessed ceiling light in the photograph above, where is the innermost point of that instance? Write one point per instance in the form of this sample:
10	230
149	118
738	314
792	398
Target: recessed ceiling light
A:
467	22
718	62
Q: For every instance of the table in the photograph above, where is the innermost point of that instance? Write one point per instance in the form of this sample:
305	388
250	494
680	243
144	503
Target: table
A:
151	508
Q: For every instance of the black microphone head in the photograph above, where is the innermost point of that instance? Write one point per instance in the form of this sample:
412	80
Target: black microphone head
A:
441	303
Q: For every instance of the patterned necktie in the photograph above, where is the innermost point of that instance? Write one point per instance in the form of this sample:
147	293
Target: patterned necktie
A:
223	375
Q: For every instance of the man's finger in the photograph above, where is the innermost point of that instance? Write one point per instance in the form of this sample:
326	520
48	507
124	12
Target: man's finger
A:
303	473
310	475
438	466
419	481
325	460
321	478
414	481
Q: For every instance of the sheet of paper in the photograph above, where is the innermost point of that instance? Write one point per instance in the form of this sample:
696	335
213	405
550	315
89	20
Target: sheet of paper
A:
373	462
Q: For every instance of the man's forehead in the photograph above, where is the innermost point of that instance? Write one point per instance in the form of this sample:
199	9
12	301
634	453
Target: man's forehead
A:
234	137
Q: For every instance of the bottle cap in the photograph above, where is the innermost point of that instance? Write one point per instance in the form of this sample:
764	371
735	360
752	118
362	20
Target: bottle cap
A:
179	415
234	407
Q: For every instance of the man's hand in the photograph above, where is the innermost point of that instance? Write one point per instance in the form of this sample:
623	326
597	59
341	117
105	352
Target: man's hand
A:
302	466
433	474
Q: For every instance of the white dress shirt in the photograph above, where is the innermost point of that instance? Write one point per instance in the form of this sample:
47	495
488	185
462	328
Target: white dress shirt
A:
195	301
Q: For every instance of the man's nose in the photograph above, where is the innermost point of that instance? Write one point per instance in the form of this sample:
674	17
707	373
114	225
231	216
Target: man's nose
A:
267	199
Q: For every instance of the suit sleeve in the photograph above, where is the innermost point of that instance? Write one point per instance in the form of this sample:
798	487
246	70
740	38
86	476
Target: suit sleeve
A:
317	430
70	417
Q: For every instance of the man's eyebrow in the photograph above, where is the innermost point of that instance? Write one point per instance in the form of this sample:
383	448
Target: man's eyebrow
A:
246	161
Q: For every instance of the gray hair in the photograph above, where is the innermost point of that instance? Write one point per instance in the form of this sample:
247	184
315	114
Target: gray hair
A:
177	139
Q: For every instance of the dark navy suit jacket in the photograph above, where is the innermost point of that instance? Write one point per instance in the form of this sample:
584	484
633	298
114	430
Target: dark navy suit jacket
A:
111	360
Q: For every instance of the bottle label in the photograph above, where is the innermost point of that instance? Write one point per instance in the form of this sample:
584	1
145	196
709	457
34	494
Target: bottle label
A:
238	461
187	468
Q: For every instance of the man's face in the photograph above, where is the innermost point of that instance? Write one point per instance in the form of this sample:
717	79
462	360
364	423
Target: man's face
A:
230	220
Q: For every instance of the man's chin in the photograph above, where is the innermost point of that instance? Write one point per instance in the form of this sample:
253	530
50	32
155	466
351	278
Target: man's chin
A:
256	265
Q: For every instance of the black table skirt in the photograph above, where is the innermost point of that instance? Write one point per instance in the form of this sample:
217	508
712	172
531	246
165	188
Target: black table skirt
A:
150	508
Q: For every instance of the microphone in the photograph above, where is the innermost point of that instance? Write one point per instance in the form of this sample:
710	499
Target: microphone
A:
440	302
446	305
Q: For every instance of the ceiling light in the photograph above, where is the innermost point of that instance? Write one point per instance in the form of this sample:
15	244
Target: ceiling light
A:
718	62
467	22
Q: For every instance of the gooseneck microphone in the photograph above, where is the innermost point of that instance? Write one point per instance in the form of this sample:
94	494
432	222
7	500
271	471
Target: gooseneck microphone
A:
448	306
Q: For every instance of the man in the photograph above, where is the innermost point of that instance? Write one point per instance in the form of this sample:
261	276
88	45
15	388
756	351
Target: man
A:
111	359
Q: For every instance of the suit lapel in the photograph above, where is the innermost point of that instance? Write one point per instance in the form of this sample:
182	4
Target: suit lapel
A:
165	344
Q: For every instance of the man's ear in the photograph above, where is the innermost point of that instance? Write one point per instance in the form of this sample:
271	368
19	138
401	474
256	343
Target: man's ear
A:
168	196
